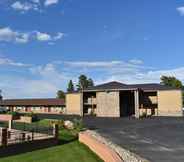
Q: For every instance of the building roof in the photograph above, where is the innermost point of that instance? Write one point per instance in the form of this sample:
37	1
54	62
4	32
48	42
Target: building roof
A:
108	86
120	86
152	86
33	102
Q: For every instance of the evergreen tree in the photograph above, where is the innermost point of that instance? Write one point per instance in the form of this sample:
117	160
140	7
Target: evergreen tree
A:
70	86
1	97
90	82
60	94
171	81
82	83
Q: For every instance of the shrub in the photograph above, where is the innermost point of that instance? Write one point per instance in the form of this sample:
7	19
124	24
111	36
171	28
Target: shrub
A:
144	115
13	113
78	124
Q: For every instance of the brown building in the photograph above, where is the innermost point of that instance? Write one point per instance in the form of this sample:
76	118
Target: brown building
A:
46	105
115	99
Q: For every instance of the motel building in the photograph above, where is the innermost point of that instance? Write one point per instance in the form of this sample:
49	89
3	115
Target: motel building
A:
115	99
44	105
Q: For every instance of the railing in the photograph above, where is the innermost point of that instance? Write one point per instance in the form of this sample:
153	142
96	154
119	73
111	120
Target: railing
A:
17	136
90	101
33	127
26	132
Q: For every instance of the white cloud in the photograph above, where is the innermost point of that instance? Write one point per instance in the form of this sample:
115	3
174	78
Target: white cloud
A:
180	10
94	64
9	35
132	71
23	38
6	34
43	36
50	72
59	36
136	61
45	80
22	87
7	61
50	2
32	5
26	6
47	37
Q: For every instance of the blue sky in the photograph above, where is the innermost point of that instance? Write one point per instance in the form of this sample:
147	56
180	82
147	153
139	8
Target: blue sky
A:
45	43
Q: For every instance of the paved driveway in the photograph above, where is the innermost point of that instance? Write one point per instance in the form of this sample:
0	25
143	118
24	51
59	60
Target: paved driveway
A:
156	139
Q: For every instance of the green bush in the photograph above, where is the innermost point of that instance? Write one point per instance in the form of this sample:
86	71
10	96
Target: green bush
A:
78	124
13	113
144	115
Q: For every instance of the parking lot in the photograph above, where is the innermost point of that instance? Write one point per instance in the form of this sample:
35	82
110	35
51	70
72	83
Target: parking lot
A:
159	139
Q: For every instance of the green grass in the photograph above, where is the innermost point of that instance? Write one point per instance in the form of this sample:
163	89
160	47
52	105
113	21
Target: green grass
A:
69	150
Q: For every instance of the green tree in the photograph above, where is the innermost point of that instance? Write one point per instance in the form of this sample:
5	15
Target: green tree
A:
60	94
90	82
171	81
70	86
1	97
83	82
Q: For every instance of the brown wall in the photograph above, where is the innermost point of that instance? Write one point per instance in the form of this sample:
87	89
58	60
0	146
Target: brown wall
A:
74	103
108	104
170	103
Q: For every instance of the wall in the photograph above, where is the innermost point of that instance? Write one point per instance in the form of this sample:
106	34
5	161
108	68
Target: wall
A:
108	104
24	147
102	150
170	103
40	109
74	103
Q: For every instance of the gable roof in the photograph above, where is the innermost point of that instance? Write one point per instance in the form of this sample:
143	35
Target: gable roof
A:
106	86
120	86
33	102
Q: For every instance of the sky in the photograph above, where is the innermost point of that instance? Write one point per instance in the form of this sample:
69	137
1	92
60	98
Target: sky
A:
45	43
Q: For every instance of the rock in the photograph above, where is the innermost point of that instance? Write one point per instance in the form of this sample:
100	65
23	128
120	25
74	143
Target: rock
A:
68	124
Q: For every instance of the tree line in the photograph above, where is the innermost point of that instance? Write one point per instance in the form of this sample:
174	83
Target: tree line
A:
83	82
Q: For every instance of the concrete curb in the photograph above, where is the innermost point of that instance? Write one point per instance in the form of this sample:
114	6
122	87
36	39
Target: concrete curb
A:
103	151
125	155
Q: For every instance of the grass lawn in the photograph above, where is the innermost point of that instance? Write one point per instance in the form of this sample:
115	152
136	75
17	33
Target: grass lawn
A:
69	150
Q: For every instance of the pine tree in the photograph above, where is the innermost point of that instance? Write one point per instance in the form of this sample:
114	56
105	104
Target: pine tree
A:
82	83
90	82
70	86
1	97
